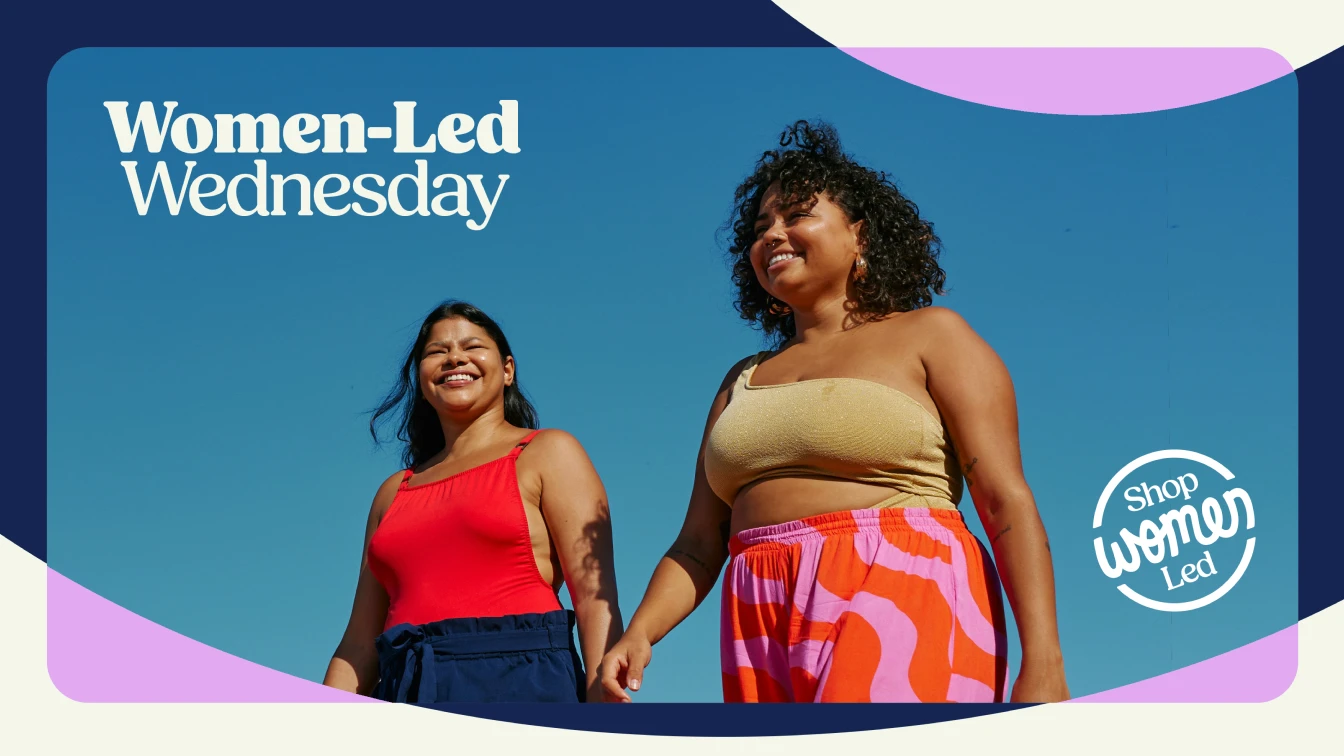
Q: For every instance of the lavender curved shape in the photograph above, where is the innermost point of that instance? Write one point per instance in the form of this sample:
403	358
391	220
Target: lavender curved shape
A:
1255	673
1080	81
133	660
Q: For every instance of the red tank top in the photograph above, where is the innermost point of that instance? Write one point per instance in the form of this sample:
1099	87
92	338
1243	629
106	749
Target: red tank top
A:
459	547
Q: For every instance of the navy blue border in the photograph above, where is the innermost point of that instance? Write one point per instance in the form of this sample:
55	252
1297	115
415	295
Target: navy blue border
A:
1320	579
726	720
53	31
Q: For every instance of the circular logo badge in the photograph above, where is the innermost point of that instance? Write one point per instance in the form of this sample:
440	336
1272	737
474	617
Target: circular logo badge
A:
1178	529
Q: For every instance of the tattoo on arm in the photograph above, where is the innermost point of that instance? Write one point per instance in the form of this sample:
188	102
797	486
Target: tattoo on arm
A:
967	472
999	535
674	551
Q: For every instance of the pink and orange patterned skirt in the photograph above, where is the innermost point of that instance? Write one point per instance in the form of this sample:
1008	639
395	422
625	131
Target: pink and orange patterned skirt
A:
880	605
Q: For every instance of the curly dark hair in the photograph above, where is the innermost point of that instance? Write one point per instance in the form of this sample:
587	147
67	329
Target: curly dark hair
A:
899	247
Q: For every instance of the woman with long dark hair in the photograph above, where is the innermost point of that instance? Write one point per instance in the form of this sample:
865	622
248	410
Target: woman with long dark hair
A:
467	547
832	465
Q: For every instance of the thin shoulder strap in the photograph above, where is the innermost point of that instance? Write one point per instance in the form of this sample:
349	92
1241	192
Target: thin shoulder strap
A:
406	478
523	444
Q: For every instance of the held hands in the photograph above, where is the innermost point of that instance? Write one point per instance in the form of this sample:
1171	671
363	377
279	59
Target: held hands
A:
623	667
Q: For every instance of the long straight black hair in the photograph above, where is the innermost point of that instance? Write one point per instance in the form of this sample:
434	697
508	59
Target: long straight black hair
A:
417	423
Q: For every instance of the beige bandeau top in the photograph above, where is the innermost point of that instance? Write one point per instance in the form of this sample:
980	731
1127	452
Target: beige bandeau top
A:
840	428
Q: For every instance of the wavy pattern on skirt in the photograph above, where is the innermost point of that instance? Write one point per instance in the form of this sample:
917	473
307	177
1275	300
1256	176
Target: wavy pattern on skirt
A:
871	605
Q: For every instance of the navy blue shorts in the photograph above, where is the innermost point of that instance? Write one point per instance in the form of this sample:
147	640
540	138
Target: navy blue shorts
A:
518	658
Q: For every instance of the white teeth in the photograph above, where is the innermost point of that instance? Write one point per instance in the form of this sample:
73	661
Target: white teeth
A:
780	257
459	378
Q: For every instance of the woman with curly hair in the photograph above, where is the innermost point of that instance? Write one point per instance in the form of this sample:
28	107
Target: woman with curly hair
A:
831	467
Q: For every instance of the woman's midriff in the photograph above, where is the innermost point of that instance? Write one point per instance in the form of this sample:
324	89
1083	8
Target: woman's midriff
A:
779	500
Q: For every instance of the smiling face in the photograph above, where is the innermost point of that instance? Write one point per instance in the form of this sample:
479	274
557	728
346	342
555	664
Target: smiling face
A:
803	250
462	372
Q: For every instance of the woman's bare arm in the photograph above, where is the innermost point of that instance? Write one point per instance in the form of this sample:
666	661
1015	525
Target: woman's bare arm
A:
354	666
683	577
972	389
574	503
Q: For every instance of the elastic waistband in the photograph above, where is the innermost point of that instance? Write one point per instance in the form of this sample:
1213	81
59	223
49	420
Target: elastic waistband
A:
899	519
487	635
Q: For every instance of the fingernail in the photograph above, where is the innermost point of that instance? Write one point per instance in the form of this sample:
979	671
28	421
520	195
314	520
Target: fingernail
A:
634	685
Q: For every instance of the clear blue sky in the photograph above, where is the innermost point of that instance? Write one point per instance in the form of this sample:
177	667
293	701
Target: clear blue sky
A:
209	464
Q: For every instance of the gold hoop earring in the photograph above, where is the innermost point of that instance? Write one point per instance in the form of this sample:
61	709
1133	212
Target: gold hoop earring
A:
860	268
